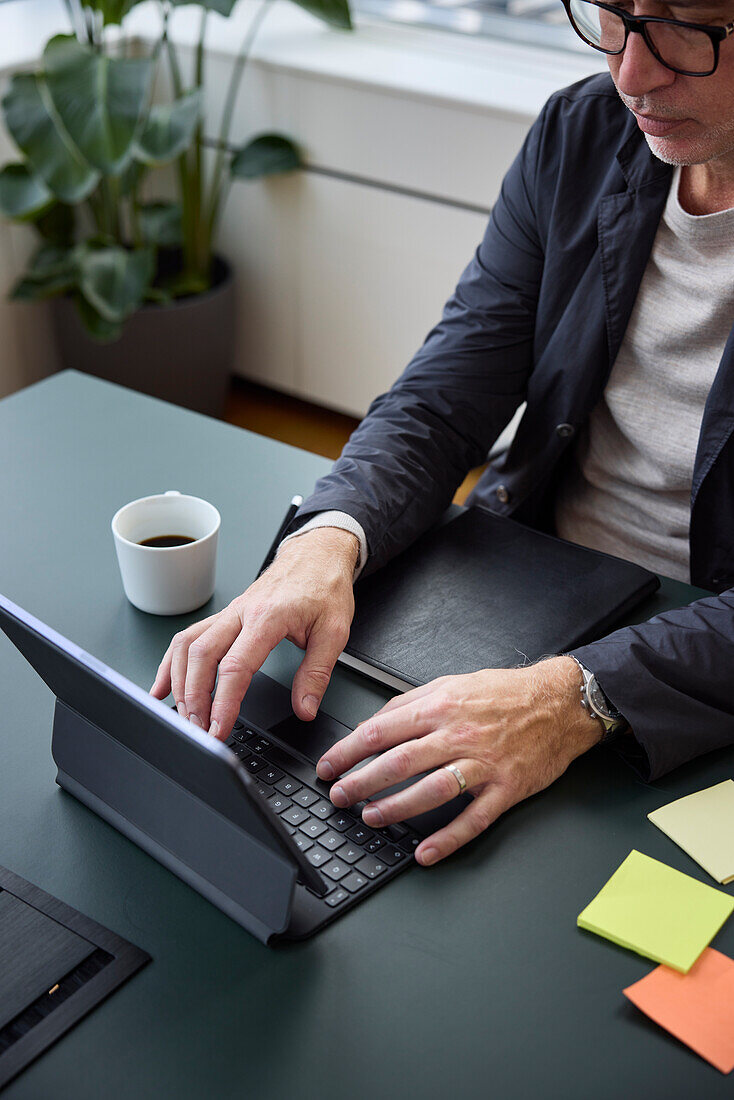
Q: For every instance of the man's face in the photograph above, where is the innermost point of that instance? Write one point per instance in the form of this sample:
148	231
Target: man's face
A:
685	119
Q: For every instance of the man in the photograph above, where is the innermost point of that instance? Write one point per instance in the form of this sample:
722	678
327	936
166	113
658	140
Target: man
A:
601	295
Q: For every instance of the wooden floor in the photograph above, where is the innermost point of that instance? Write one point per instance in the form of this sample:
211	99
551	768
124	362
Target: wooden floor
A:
300	423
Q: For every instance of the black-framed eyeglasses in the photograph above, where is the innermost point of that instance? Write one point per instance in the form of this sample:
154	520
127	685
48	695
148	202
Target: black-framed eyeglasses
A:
690	49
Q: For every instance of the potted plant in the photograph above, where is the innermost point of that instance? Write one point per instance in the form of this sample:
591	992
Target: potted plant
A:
139	293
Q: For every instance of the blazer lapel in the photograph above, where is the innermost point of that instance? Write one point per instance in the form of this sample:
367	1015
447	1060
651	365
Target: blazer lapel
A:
627	225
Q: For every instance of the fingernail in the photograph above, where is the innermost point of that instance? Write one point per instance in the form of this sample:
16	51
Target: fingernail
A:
324	770
310	704
214	729
372	816
196	721
181	708
428	856
338	797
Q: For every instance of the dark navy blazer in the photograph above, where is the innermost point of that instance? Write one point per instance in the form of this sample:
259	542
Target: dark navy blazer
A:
538	316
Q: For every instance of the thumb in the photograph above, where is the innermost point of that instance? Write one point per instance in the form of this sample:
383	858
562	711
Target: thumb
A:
314	672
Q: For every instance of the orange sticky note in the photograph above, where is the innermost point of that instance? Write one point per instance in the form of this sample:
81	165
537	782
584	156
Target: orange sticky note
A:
697	1007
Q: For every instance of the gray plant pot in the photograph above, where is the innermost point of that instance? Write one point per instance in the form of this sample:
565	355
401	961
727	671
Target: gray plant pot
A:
181	352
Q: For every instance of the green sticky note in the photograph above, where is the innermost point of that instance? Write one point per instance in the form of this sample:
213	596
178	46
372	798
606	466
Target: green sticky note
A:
658	912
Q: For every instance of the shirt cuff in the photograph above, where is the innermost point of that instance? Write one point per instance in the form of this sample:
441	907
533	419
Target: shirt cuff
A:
345	523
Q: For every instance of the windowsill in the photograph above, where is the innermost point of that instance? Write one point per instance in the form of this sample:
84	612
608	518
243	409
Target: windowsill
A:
447	68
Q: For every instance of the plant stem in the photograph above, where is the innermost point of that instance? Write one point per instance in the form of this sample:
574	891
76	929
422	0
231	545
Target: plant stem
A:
201	253
227	114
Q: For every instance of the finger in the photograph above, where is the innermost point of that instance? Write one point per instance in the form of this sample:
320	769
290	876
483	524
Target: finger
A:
203	657
179	660
236	670
380	732
389	768
433	790
325	643
161	686
478	816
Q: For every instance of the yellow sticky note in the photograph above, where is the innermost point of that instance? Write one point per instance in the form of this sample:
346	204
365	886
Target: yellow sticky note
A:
657	912
702	824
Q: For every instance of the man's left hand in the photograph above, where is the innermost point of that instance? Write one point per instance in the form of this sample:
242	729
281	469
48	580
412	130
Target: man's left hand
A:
510	732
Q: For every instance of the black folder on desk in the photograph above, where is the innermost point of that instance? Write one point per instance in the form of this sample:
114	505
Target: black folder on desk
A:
483	591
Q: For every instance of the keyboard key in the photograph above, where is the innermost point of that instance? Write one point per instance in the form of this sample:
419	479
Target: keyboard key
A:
264	790
305	797
350	853
239	734
336	897
375	844
287	786
271	774
295	815
322	809
259	745
391	855
279	803
340	821
336	869
409	843
354	882
332	840
303	842
359	834
371	867
313	828
395	832
239	750
317	856
253	765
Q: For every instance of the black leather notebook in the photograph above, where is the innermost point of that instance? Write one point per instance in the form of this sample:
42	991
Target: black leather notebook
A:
482	591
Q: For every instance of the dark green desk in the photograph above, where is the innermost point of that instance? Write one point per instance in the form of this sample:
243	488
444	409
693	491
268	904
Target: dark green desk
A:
468	979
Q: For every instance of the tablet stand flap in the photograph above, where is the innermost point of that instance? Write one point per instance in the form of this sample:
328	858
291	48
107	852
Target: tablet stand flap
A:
249	880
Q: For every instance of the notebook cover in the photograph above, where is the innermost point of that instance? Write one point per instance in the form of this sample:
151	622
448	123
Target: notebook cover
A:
483	591
57	965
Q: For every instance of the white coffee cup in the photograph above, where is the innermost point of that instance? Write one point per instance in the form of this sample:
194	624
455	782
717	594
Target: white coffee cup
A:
173	579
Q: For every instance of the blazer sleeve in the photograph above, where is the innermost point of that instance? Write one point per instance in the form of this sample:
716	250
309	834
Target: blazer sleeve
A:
402	465
671	678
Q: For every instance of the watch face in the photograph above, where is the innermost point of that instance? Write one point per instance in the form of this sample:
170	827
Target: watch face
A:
599	701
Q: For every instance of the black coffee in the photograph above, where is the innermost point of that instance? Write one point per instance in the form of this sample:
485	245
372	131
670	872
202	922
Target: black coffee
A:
167	540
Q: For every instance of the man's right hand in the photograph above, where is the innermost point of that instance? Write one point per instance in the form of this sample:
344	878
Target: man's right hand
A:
305	596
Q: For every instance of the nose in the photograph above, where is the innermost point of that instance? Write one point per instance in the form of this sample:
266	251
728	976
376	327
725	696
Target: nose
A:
637	71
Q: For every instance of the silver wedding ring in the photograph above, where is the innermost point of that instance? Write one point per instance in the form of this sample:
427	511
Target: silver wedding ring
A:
457	776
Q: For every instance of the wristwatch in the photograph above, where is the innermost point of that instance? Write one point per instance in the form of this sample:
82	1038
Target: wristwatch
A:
595	702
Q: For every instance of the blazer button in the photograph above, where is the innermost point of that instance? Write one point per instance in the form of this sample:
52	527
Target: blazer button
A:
502	494
564	430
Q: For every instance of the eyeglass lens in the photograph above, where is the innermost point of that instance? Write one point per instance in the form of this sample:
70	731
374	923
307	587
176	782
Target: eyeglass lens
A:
680	47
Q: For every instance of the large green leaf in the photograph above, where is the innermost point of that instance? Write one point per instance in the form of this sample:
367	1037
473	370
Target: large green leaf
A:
169	129
100	100
333	12
114	281
22	194
265	155
224	7
37	131
52	271
113	11
99	328
160	223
